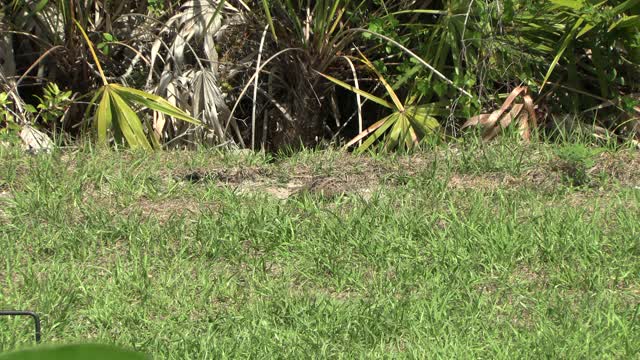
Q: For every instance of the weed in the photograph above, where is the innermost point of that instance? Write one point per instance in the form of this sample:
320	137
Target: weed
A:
577	161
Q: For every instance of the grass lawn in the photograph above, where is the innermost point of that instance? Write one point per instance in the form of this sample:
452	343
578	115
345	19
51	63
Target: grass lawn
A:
483	252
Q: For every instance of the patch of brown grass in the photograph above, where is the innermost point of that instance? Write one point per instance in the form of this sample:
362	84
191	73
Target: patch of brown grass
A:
164	209
485	182
622	166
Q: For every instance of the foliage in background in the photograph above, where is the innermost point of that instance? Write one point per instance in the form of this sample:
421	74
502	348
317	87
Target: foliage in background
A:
52	105
522	113
115	116
252	71
405	127
49	109
304	104
188	76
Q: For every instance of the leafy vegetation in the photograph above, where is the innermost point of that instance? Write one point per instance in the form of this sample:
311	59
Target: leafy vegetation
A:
512	249
115	110
578	162
451	61
73	352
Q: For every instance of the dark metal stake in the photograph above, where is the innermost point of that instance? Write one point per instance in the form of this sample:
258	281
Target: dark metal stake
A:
36	319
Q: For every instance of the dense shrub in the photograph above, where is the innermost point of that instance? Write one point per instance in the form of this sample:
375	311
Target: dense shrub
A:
409	71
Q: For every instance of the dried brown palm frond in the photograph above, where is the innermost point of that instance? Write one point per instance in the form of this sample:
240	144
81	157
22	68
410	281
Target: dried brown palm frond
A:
522	113
197	91
197	20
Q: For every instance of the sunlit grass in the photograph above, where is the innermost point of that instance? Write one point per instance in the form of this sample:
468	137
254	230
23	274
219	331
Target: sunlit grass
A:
439	259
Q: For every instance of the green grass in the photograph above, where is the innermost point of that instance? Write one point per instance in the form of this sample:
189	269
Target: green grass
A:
451	254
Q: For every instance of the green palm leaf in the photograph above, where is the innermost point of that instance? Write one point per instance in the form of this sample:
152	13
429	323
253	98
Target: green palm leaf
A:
115	110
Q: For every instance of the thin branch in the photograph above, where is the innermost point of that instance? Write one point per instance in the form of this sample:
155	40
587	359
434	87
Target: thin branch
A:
358	99
35	63
255	89
250	82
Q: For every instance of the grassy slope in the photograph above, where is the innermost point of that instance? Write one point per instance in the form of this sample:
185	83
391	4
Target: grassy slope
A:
465	254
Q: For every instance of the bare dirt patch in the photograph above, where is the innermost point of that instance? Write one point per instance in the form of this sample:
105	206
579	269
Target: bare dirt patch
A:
223	175
4	196
164	209
346	174
283	182
623	167
331	175
487	182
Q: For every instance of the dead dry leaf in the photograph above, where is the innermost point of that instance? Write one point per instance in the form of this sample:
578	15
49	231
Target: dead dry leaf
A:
522	113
